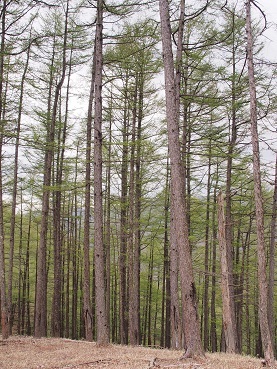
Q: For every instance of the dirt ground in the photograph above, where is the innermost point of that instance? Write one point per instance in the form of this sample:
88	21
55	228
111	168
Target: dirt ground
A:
54	353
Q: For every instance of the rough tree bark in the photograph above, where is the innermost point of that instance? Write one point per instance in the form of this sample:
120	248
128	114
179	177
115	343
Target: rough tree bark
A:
4	307
261	252
189	301
175	318
176	327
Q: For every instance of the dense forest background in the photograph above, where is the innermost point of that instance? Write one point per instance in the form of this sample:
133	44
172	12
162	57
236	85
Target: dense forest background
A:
49	220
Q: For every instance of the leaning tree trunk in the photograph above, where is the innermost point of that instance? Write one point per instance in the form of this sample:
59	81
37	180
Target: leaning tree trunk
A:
189	301
261	252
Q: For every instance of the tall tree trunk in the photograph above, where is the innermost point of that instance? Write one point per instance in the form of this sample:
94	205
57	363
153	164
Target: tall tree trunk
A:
165	320
20	258
137	226
150	297
74	252
247	291
229	325
175	314
123	231
214	257
67	271
271	277
240	289
101	312
107	217
41	286
114	303
228	249
41	277
133	326
189	300
87	302
15	183
56	302
26	275
207	253
4	302
261	252
135	210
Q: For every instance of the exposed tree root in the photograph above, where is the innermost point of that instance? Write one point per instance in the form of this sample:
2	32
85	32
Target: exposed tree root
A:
193	354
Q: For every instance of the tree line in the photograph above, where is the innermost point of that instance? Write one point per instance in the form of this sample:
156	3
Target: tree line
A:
138	174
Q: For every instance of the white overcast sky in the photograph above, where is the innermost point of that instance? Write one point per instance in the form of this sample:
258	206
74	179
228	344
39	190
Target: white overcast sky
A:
270	9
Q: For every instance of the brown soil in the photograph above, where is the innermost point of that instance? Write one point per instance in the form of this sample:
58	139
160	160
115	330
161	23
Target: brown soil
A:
54	353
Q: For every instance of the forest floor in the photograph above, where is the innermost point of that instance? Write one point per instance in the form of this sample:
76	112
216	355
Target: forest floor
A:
57	353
